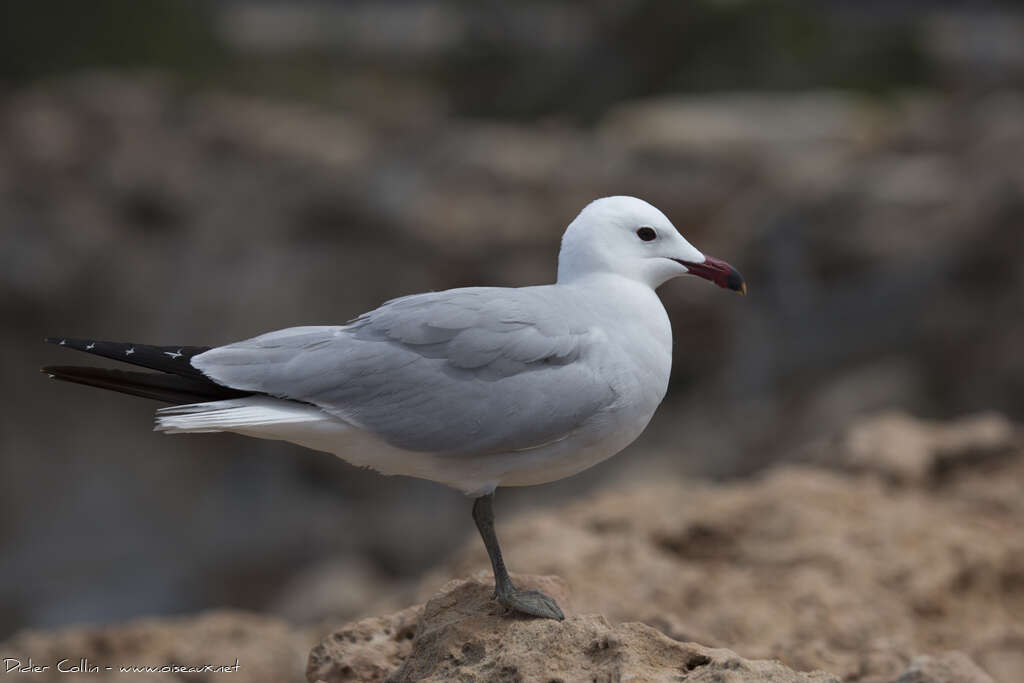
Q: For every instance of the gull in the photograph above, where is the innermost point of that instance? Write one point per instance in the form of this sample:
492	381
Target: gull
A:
475	388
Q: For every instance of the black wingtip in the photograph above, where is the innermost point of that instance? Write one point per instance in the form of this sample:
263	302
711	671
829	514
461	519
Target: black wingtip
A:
155	385
172	359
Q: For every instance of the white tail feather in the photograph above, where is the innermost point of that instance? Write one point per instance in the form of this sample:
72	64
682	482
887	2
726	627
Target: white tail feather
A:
239	414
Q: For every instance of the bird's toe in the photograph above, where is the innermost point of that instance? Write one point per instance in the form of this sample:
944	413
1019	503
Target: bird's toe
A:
533	603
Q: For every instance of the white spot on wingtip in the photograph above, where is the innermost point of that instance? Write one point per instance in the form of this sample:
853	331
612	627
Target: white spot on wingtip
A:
51	376
130	351
173	354
90	346
62	342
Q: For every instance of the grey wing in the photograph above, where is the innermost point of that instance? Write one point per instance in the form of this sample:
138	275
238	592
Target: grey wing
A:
476	370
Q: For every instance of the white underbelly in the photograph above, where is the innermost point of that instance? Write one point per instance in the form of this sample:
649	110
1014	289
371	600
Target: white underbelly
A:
480	474
595	441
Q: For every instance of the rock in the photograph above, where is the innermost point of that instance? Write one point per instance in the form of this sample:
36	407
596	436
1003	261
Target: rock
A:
365	650
460	635
264	649
949	667
904	449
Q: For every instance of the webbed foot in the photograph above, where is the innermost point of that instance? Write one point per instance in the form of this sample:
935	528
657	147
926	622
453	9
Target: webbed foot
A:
531	602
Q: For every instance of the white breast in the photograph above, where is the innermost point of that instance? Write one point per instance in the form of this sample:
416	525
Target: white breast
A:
632	348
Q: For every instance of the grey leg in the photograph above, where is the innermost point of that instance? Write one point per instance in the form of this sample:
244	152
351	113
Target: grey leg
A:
528	602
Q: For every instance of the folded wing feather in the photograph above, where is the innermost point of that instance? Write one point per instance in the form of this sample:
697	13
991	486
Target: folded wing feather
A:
467	371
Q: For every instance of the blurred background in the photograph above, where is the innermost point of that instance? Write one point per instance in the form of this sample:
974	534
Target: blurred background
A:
196	173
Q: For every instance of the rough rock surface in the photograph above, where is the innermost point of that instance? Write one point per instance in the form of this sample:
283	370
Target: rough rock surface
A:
461	636
265	650
950	667
365	650
907	450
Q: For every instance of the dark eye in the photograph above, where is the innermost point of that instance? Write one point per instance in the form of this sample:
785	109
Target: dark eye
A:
646	234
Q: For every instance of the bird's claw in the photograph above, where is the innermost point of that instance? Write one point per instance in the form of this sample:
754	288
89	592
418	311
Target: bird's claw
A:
533	603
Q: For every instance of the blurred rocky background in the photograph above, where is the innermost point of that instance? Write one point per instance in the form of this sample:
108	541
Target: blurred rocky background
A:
183	172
